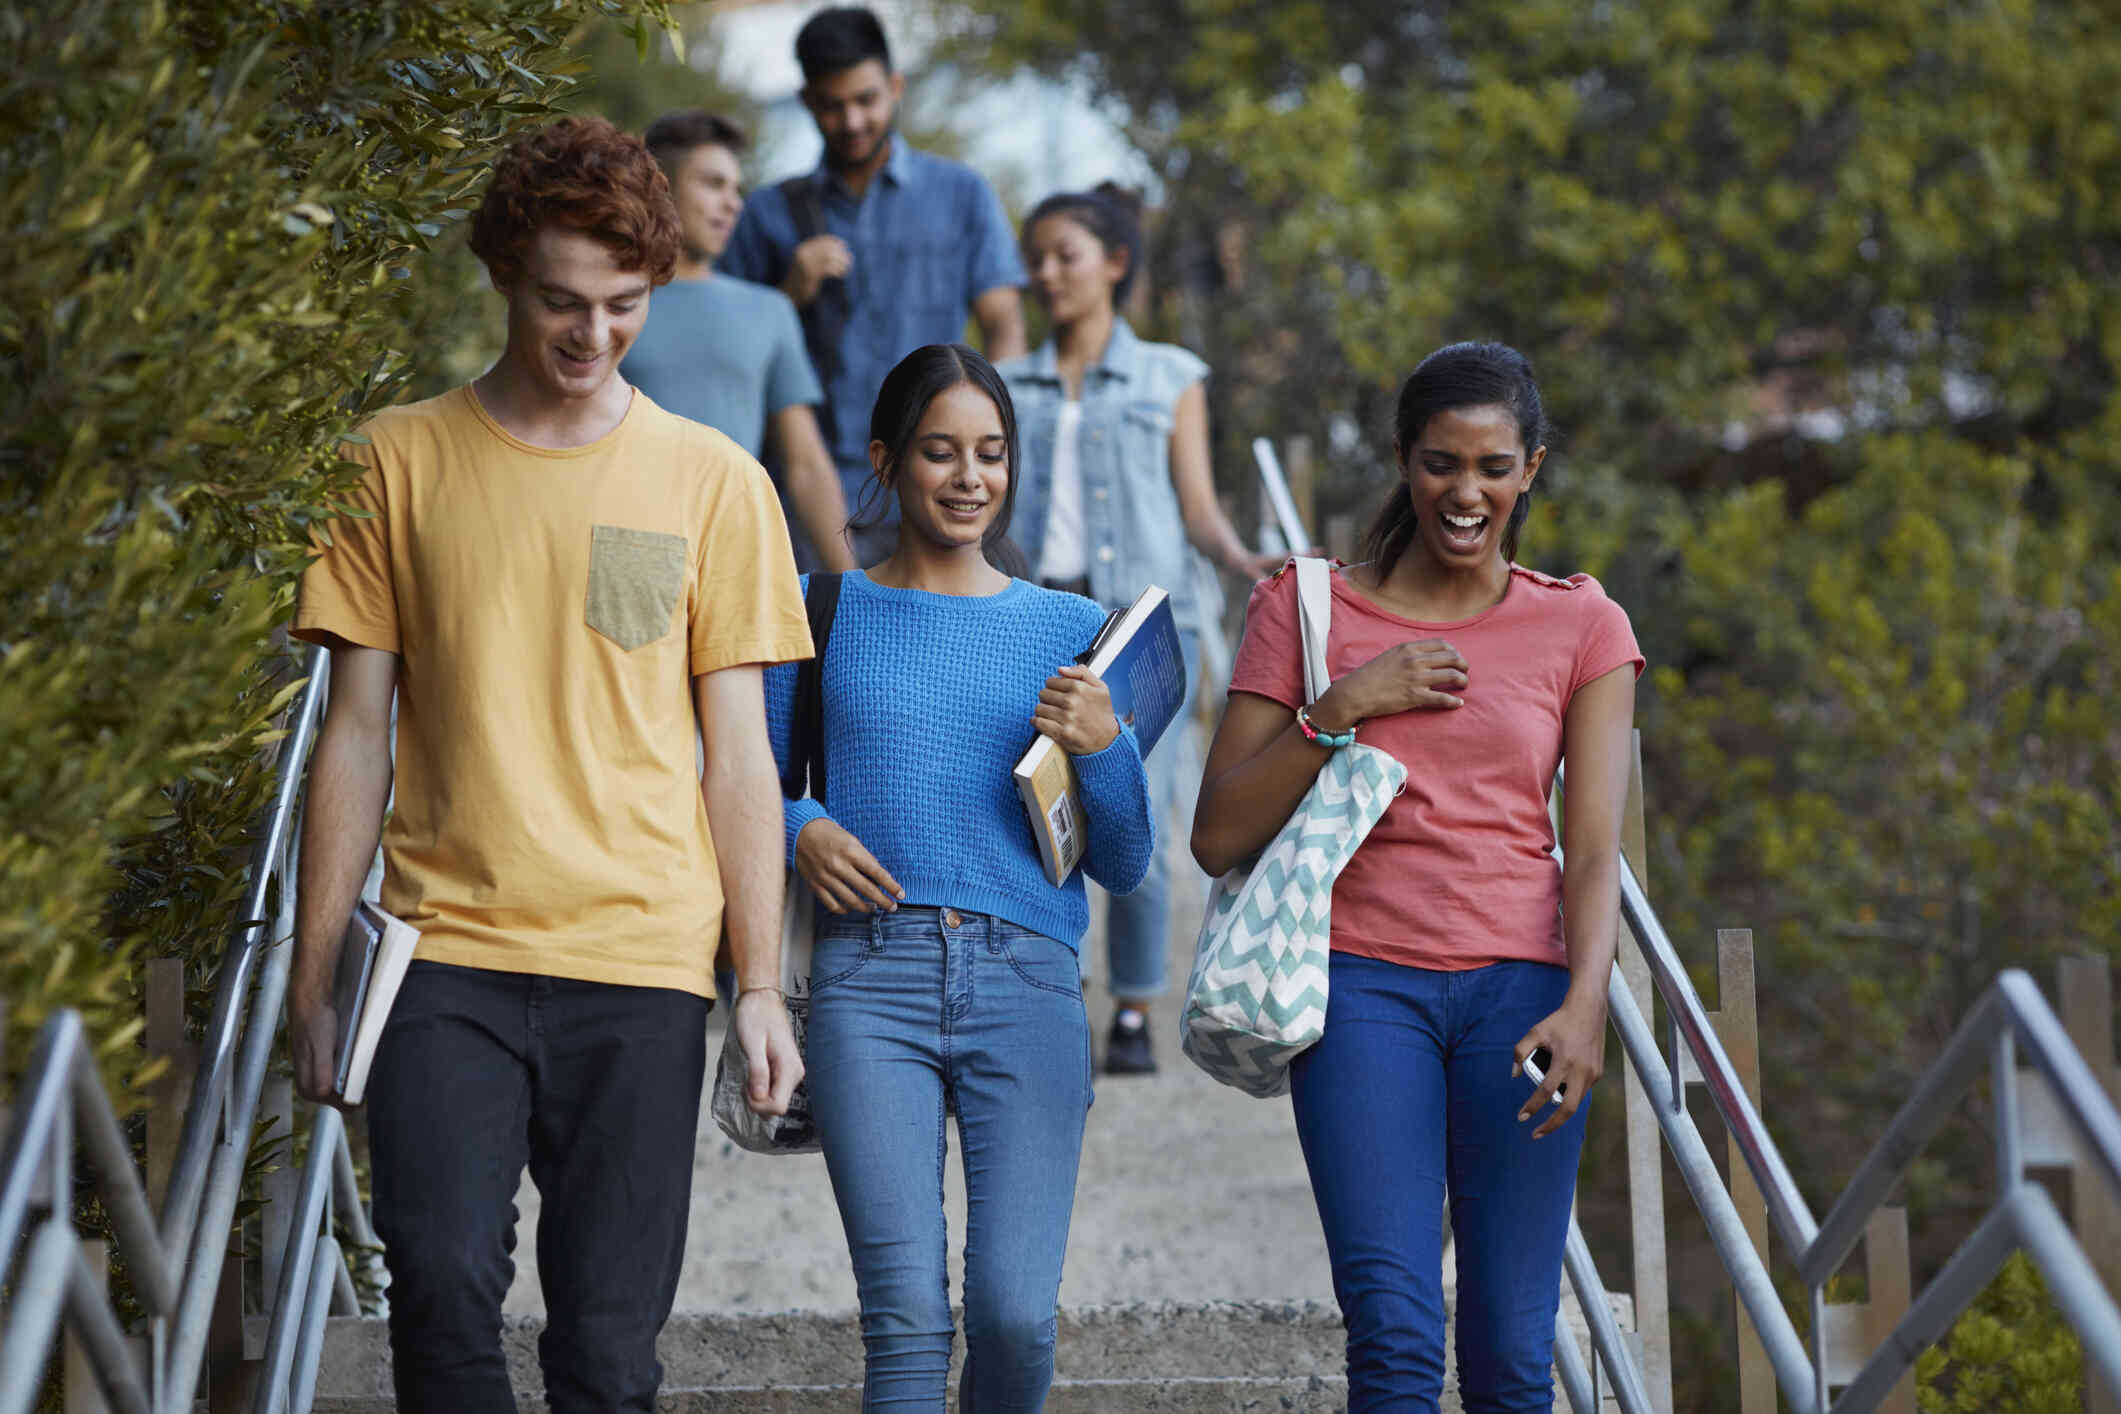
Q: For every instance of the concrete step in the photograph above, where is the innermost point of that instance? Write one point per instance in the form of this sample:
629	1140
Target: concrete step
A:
1313	1394
720	1350
1220	1357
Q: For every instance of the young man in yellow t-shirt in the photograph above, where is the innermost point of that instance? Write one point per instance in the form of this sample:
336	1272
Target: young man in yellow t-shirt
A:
560	583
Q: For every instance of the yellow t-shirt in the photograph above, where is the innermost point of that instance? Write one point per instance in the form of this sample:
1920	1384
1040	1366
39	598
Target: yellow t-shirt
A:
549	609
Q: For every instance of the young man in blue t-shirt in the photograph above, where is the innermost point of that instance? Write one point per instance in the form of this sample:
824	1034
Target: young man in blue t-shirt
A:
729	353
882	247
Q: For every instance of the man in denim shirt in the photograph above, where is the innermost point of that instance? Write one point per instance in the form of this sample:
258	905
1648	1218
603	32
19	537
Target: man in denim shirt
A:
883	248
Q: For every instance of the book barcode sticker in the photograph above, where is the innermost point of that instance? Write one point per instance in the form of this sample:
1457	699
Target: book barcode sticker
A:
1067	834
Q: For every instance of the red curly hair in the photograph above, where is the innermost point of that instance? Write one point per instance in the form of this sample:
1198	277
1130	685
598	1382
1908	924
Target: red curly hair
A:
587	175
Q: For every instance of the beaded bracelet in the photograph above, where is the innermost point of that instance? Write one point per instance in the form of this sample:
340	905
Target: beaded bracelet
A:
1312	734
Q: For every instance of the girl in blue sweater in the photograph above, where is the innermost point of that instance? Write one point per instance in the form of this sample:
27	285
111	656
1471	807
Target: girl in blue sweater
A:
945	977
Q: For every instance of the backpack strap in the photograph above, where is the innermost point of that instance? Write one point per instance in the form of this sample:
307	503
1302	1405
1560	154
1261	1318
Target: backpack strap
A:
801	194
825	318
806	736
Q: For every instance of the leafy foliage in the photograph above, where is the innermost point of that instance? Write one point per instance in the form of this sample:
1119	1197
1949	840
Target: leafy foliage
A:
633	88
2012	1353
214	210
1826	299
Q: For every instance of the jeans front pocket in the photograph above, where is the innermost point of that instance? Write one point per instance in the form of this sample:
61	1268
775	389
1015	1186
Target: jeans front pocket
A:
635	580
835	957
1045	963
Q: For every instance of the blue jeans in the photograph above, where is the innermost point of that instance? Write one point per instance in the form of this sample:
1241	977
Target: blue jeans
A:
1138	925
913	1015
1408	1094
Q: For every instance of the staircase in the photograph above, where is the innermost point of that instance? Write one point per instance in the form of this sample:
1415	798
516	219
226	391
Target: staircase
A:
1229	1357
1223	1356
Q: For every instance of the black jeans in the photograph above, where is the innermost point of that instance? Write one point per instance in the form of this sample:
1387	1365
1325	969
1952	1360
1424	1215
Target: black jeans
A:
597	1089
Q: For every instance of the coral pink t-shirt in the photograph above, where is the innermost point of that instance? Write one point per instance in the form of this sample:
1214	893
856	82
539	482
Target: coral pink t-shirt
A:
1460	871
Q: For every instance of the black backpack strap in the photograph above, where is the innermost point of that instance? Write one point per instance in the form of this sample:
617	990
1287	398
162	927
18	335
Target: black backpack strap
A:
806	735
825	318
801	194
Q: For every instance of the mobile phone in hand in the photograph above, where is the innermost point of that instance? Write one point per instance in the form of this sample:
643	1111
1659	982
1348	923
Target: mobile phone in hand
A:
1535	1070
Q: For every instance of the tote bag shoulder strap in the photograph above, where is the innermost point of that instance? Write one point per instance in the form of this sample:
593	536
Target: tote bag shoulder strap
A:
1314	603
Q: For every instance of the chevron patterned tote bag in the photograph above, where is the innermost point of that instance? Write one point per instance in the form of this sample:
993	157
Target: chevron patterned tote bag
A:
1258	991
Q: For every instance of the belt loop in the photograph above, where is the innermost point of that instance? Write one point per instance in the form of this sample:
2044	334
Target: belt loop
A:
876	930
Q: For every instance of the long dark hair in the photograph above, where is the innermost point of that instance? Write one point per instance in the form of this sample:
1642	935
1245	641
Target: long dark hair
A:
1456	376
901	404
1109	214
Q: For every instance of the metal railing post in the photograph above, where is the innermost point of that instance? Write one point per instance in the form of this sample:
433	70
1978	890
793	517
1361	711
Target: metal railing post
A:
1629	1386
1737	1022
230	1155
310	1223
1575	1375
2010	1130
1645	1150
1755	1288
2084	991
163	992
1856	1330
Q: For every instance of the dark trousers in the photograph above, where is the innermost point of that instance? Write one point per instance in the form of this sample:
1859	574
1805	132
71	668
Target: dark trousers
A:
597	1089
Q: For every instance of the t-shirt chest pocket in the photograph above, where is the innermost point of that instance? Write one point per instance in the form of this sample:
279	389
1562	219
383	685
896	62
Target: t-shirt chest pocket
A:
635	580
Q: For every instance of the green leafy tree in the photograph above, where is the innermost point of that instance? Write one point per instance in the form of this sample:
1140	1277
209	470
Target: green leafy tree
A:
215	210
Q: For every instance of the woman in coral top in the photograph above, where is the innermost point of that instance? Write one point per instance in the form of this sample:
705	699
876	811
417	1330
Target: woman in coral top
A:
1459	945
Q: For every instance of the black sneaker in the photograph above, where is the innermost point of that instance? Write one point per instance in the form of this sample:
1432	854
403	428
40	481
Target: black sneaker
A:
1127	1045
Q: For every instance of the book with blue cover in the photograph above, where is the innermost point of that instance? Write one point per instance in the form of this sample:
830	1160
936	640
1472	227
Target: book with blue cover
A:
1137	656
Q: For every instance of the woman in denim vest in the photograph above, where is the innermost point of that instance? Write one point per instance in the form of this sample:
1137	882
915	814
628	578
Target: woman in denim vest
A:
1115	484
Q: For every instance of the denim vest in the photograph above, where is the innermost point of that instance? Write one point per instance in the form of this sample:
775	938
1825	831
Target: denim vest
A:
1131	523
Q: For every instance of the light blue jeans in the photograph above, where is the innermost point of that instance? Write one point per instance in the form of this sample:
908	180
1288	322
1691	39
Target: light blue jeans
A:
914	1015
1409	1092
1138	925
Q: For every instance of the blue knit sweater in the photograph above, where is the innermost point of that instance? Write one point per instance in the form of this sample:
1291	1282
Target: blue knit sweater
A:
928	702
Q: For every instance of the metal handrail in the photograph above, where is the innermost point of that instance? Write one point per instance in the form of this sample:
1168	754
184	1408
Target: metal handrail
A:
1287	522
314	1277
215	1090
1749	1275
176	1264
1628	1387
53	1281
304	1296
2014	1001
2012	1013
1785	1204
